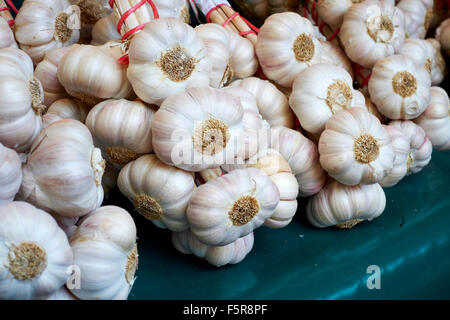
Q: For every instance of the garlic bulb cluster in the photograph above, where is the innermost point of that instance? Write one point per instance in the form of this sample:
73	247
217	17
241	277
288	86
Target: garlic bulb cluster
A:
63	172
345	206
10	174
21	99
400	146
418	15
286	45
121	129
399	87
273	104
35	254
65	109
233	253
436	119
7	39
319	92
332	54
332	11
372	30
159	192
105	251
232	206
443	35
43	25
167	57
92	74
355	148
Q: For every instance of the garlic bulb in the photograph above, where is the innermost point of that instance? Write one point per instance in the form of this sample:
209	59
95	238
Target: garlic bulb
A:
10	174
355	148
105	30
65	109
233	253
122	129
286	45
92	73
63	172
243	61
399	87
400	146
232	206
418	15
7	39
21	98
159	192
420	147
35	254
43	25
199	129
272	103
167	57
372	30
319	92
439	71
104	248
332	11
443	35
345	206
436	119
332	54
90	12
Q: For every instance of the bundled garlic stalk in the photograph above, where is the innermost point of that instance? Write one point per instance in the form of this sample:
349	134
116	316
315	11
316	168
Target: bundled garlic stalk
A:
400	146
443	35
21	98
104	248
233	253
286	45
65	109
43	25
7	39
232	206
418	15
35	255
159	192
63	172
10	174
332	54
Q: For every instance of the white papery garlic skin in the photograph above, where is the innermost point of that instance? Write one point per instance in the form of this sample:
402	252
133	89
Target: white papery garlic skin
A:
334	55
173	9
65	109
159	192
436	119
399	87
243	61
167	57
332	11
355	148
233	253
105	30
286	45
319	92
438	71
372	30
443	35
7	39
418	15
63	172
10	174
43	25
232	206
34	253
104	248
400	146
62	294
345	206
21	99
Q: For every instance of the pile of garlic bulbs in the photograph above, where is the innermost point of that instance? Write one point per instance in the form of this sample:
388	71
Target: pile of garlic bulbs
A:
206	134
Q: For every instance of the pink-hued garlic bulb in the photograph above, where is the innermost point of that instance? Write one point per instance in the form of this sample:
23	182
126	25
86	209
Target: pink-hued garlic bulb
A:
105	251
159	192
400	146
63	172
43	25
105	30
233	253
199	129
319	92
372	30
10	174
443	36
166	58
65	109
436	119
273	104
35	255
420	147
121	129
345	206
332	54
399	87
92	74
286	45
7	39
21	99
232	206
355	148
418	15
